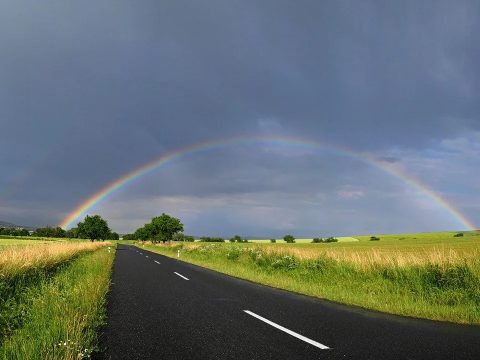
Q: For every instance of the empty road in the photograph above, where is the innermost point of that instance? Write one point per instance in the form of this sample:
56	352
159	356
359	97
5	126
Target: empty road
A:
162	308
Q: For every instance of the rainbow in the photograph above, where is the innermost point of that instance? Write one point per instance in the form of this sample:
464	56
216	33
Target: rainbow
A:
171	156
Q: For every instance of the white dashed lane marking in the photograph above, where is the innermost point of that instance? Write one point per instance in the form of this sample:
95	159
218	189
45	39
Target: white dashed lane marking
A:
183	277
290	332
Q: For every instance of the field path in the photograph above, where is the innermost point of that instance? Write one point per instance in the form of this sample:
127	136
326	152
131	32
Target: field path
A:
161	308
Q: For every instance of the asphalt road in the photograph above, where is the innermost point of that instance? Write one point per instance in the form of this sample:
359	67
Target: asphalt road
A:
154	312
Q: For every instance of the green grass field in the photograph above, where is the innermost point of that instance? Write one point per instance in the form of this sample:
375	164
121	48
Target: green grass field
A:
430	275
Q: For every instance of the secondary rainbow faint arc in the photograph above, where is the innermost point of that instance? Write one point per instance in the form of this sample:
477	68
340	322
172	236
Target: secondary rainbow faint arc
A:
171	156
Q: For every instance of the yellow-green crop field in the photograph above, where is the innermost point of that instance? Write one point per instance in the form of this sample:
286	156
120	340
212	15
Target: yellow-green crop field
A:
52	297
427	275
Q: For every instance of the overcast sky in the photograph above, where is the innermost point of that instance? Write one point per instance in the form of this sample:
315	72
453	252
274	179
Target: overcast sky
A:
91	90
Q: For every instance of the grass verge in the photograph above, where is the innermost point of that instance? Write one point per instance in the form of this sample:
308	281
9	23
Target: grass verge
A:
60	311
439	286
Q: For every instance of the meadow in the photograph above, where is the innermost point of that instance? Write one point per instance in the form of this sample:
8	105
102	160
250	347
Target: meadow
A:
52	297
431	275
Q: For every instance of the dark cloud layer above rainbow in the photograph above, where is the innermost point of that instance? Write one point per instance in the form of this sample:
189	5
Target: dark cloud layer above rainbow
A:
361	117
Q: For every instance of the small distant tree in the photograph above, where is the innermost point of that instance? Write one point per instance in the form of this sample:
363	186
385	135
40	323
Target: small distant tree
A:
72	233
331	239
273	240
178	237
374	238
458	235
236	238
289	239
188	238
49	231
113	236
317	240
94	228
211	239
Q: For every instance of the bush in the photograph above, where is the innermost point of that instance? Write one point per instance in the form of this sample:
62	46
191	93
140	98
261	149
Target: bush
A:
273	240
211	239
285	262
188	238
458	235
331	239
374	238
317	240
234	253
289	239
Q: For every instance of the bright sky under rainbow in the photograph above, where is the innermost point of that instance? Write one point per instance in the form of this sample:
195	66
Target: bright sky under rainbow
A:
171	156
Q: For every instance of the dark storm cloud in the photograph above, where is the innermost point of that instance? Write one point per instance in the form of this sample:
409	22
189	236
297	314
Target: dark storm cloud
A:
89	91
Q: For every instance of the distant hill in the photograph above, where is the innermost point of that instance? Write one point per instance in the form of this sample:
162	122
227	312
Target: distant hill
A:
6	224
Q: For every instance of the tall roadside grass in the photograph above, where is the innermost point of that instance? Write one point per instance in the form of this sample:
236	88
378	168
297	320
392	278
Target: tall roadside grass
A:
23	269
18	260
434	283
65	312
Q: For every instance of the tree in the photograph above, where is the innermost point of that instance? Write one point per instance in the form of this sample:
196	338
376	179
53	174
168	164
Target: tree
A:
72	233
49	231
113	236
178	236
273	240
94	228
142	233
289	239
236	238
163	227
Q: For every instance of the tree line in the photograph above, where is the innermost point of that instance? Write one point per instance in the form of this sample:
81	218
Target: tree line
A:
93	228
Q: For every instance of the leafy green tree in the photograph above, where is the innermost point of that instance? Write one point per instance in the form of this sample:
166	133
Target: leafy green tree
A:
188	238
94	228
142	233
178	237
113	236
236	238
164	226
72	233
49	231
289	239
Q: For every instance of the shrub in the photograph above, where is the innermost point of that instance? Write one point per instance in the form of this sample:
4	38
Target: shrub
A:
317	240
273	240
374	238
236	238
285	262
331	239
234	253
458	235
211	239
289	239
188	238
